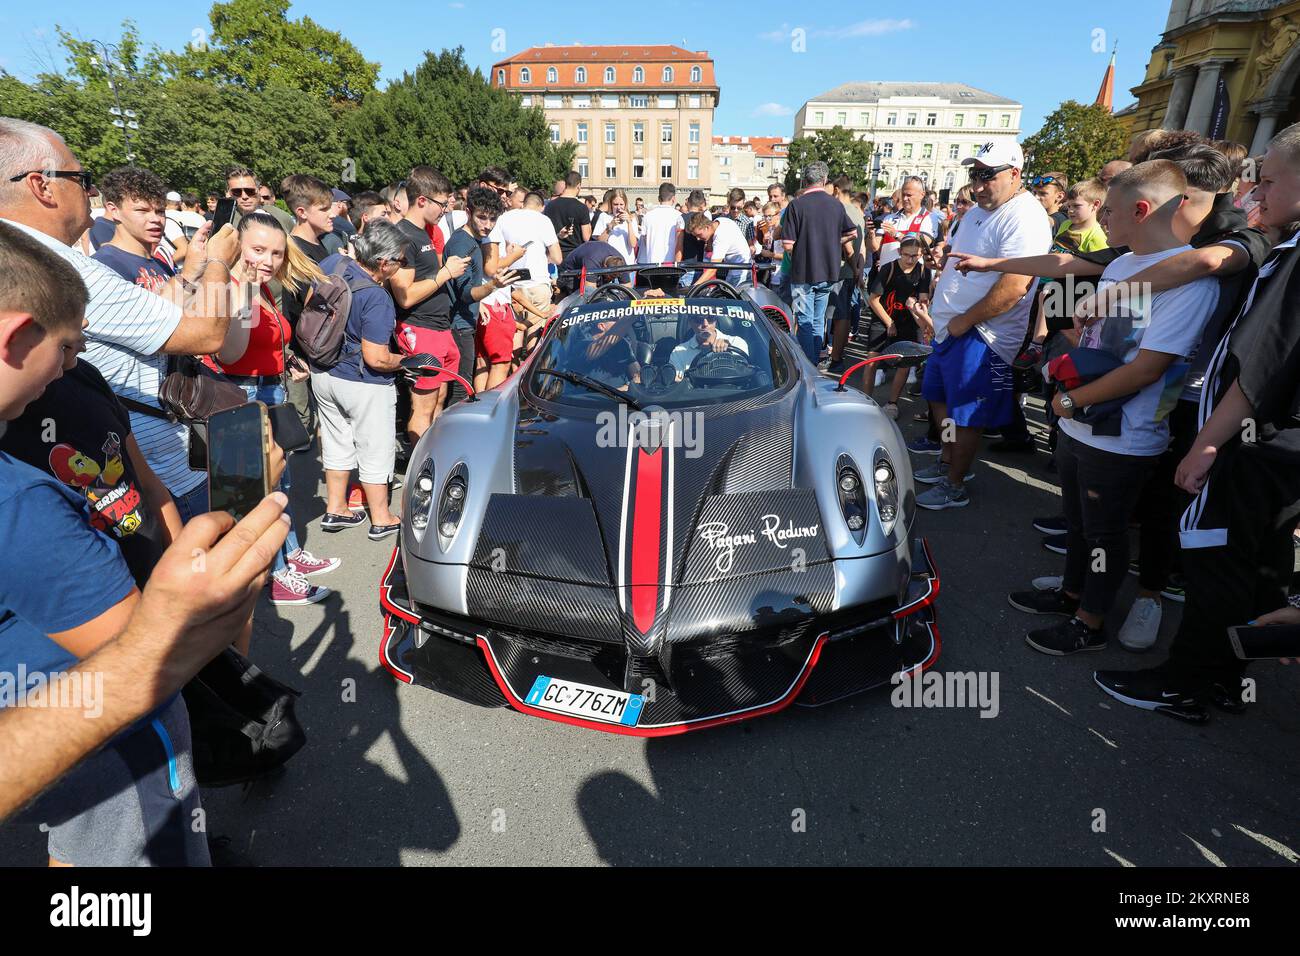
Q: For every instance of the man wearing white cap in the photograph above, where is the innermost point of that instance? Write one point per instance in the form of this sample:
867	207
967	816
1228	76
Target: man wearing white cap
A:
979	327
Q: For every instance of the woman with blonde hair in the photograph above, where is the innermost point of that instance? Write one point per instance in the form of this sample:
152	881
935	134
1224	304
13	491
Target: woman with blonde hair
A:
616	226
253	357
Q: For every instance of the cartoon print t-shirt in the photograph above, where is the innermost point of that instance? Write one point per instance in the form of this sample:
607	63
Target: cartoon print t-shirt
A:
76	432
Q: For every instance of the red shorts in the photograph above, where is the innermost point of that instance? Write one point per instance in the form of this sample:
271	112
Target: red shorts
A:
495	334
414	339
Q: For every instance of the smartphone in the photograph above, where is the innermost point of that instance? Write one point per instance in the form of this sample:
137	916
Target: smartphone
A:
239	459
1265	641
525	275
224	213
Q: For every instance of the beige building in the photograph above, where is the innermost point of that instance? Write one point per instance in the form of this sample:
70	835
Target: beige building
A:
918	129
640	115
751	162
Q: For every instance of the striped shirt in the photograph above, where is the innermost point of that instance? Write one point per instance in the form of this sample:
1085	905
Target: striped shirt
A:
127	328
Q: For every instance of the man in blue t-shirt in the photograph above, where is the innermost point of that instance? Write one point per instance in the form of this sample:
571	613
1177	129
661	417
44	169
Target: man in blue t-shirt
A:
469	289
136	199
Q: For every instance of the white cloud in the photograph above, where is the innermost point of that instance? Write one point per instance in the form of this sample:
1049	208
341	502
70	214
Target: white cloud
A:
771	109
776	36
865	28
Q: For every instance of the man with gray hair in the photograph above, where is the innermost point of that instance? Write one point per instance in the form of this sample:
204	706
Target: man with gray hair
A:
911	218
819	236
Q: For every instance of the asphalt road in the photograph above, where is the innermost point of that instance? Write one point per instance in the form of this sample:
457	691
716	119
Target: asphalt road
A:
1059	777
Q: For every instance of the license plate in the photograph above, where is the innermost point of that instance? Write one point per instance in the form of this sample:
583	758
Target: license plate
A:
583	700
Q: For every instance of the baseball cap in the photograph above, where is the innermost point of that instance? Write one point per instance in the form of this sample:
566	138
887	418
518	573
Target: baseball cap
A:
998	152
173	196
340	195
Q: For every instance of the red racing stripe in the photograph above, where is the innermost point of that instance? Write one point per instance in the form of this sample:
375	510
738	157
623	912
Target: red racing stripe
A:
646	520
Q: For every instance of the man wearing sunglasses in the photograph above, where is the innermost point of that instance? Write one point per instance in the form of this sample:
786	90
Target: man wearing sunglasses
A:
243	187
979	328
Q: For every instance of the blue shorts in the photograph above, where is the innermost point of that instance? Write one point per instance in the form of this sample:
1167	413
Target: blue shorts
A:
969	378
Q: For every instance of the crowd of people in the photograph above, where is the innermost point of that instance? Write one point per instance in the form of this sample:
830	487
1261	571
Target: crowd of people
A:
1150	306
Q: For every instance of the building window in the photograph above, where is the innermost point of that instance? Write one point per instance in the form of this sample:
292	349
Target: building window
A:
609	132
582	102
864	119
668	101
927	151
725	177
555	133
974	148
724	160
891	119
907	150
638	102
819	119
842	119
526	101
525	75
609	74
887	150
582	167
553	102
693	135
552	75
666	132
694	101
638	75
638	169
954	151
982	120
666	169
638	132
958	119
692	169
696	74
950	180
501	77
911	119
760	163
611	169
668	74
609	102
931	119
582	132
1006	120
580	75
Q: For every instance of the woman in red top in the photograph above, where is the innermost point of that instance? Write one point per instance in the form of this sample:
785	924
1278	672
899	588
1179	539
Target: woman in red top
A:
253	356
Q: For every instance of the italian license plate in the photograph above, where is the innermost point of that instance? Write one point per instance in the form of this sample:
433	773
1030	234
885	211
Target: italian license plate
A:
583	700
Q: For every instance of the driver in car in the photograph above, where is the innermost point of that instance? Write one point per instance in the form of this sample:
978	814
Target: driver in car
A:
706	338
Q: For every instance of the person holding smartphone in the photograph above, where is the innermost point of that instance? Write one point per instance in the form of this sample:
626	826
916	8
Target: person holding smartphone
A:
905	281
616	225
570	215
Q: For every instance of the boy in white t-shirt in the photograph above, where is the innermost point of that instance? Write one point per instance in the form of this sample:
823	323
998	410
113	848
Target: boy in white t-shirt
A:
1102	468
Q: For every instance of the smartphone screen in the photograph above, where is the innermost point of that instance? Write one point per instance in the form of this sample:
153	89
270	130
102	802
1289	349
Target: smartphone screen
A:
224	213
237	459
1265	641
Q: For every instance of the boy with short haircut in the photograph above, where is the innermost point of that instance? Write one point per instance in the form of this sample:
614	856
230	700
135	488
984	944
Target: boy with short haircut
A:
1050	190
312	205
1104	460
1082	233
135	199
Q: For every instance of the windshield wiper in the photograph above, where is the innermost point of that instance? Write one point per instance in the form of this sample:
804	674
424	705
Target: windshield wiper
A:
592	384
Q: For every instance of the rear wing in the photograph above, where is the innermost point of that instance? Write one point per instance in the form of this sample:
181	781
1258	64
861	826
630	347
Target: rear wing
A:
667	269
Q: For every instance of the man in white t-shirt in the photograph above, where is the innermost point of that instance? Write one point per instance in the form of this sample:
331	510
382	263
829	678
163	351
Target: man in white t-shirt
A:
706	338
528	229
659	229
1106	453
979	326
723	242
909	219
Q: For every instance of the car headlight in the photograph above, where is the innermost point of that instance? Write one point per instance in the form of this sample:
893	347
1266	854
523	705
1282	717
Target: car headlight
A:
419	499
451	506
852	495
886	482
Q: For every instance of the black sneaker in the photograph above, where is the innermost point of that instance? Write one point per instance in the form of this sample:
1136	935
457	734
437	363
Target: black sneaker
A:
1052	525
1225	699
1176	589
1056	543
378	532
1068	637
1049	601
1153	689
332	523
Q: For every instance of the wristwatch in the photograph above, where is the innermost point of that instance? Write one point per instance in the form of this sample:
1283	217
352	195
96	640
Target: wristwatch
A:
1067	402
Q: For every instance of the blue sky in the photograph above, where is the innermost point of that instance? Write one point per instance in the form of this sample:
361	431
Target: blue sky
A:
1039	56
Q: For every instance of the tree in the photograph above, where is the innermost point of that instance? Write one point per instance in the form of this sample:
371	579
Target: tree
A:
1076	140
254	45
838	148
448	116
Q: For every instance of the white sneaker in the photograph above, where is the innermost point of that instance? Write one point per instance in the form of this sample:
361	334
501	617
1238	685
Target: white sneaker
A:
1142	625
1049	582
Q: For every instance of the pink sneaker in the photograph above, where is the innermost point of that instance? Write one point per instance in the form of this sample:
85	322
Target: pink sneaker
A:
307	564
356	497
290	587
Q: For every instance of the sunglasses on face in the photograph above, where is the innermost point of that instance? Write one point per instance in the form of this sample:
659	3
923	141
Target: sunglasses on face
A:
83	178
266	197
700	322
1042	180
986	175
243	191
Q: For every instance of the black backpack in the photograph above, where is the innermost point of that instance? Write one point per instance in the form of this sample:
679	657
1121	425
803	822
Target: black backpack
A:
324	317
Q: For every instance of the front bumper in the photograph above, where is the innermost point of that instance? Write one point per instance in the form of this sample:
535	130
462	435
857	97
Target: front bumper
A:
695	686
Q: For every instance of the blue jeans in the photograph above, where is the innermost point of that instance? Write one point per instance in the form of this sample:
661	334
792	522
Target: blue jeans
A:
273	394
193	502
809	302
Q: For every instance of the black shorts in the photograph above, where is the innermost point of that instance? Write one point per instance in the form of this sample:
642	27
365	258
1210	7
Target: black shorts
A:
878	339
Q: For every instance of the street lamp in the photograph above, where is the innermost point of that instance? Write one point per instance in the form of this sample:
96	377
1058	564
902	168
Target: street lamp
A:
123	119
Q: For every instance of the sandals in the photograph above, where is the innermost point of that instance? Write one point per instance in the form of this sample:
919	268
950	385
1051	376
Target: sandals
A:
891	409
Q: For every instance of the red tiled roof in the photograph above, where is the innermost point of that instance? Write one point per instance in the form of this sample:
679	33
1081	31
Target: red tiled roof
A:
761	145
624	59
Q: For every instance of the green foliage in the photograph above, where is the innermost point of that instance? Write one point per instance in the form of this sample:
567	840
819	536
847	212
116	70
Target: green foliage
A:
1076	140
446	115
838	148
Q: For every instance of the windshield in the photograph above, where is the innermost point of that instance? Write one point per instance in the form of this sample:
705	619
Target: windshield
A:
662	352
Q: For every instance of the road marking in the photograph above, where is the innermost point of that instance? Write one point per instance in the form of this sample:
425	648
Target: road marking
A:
1122	861
1206	852
1280	849
1050	701
1107	739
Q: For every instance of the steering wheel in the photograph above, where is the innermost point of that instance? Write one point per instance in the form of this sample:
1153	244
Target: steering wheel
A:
721	285
731	367
614	291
